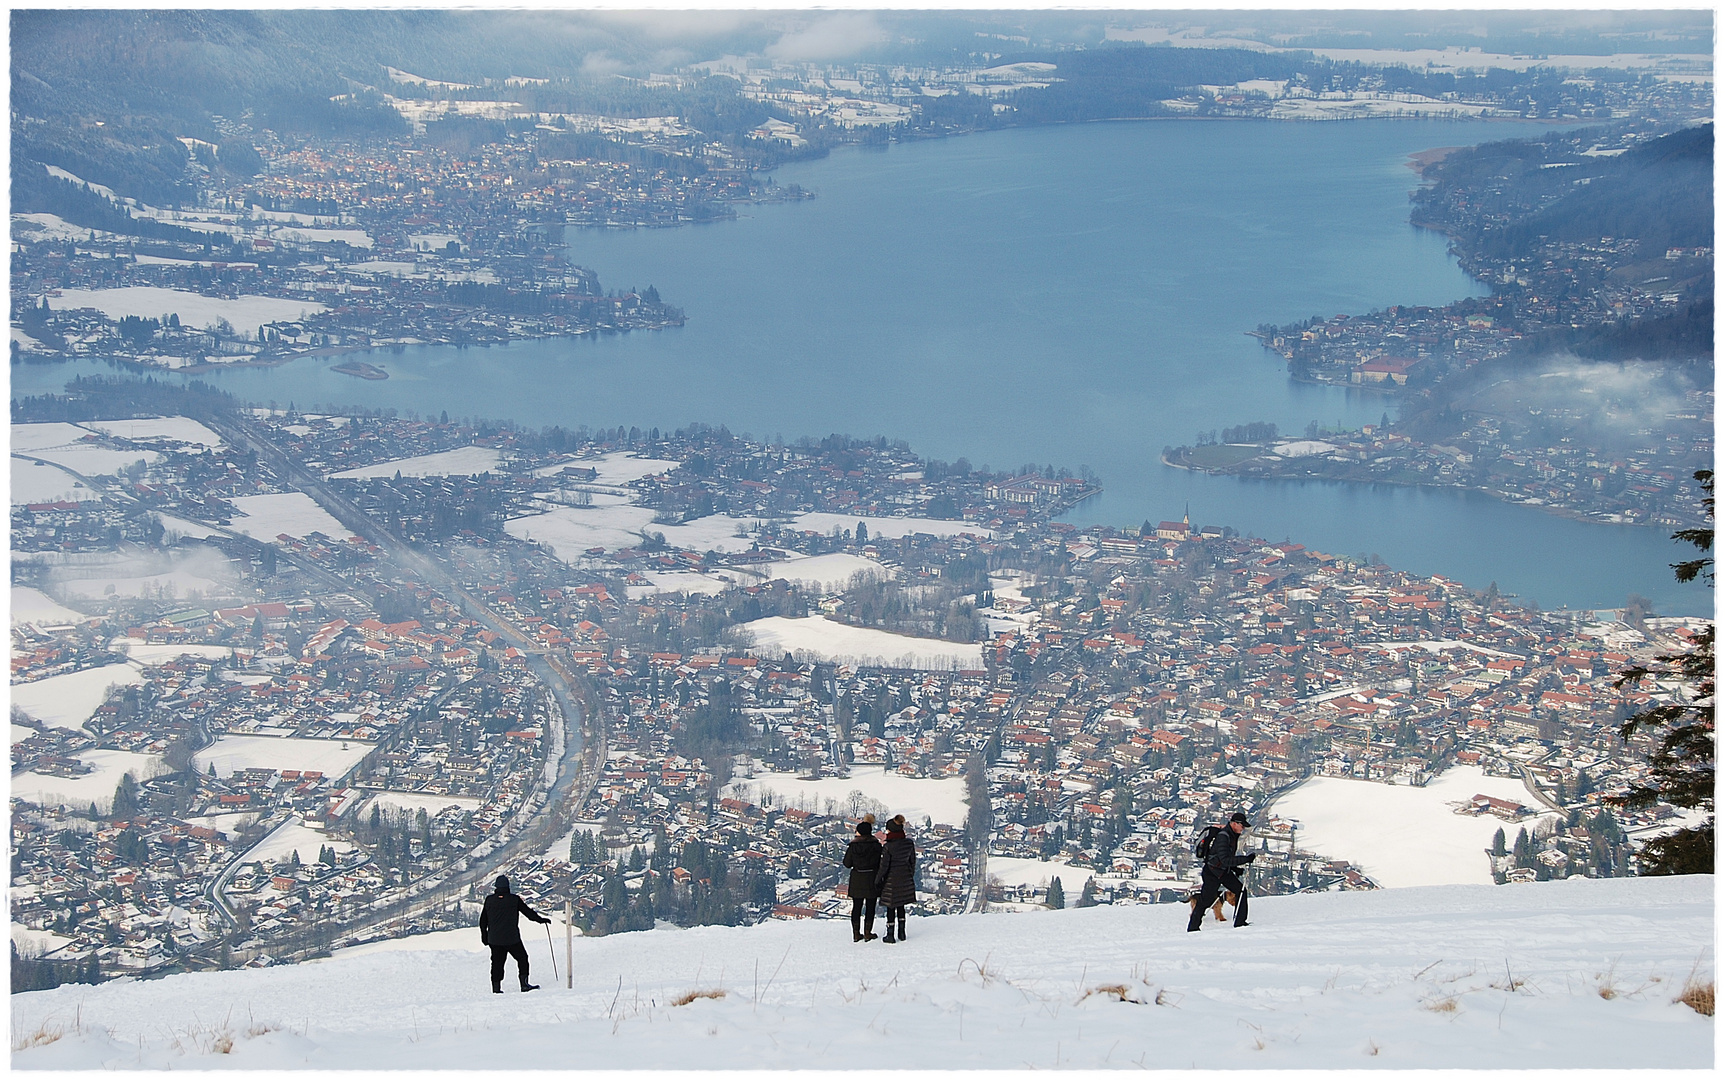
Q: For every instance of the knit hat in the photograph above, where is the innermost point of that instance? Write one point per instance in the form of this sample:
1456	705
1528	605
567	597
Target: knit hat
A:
502	883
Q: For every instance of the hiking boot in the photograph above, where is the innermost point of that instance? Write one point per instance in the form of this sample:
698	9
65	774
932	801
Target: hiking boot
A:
856	935
889	939
529	986
497	989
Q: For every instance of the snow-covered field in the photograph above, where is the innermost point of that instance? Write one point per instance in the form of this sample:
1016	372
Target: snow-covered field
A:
95	787
892	528
145	653
466	461
1564	974
292	512
34	482
569	531
335	758
178	583
29	438
1012	871
413	801
34	606
828	572
66	701
819	636
180	429
245	313
1405	835
86	458
942	800
683	581
294	835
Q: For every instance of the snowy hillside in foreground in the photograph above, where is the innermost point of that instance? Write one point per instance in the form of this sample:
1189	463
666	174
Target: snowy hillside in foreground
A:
1396	978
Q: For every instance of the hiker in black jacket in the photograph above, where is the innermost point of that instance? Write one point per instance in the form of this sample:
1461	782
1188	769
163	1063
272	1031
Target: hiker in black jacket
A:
500	928
1220	871
863	857
896	876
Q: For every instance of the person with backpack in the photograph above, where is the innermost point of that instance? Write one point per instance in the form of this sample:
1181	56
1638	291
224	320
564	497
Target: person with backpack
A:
896	876
500	928
1218	846
863	858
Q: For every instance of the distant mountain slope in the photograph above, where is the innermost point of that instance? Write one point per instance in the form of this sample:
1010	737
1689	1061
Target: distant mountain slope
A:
1562	974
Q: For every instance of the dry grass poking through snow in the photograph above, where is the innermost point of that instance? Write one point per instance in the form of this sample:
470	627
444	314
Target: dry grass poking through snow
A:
1118	991
42	1036
696	995
1698	995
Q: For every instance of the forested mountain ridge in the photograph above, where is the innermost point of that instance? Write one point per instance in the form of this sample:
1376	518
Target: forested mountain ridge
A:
1659	192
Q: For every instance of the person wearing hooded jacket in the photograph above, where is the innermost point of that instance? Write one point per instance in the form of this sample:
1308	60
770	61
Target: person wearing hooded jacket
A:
863	858
896	876
500	928
1220	871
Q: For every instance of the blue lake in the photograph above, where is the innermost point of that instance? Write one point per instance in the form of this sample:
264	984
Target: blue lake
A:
1075	295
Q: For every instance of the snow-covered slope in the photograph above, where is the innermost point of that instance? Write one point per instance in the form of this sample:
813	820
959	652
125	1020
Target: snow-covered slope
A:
1560	974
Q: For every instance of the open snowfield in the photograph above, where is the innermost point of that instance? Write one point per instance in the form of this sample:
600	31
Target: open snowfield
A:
414	801
942	800
29	438
34	606
829	572
245	313
180	429
1405	835
1476	977
176	526
683	581
145	653
290	836
178	583
570	530
1012	871
34	482
466	461
66	701
819	636
620	467
891	528
48	227
90	460
292	512
335	758
95	787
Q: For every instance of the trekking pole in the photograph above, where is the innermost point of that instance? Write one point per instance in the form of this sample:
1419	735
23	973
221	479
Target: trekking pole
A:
552	949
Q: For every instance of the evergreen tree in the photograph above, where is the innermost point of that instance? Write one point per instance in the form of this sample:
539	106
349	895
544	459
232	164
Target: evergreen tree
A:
1087	897
1056	894
1683	758
126	803
1497	843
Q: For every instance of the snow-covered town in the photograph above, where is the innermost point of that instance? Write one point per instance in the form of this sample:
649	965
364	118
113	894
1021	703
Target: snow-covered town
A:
285	683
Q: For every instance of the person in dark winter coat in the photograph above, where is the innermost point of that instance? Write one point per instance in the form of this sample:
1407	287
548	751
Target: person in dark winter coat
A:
896	876
500	928
863	857
1221	871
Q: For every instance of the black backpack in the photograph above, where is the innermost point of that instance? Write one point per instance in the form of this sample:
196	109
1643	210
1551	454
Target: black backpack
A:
1205	838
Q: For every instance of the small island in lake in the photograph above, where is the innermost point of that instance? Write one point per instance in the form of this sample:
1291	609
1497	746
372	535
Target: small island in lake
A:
360	369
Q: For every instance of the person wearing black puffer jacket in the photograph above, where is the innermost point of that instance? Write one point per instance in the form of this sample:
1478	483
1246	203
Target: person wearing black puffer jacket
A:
1221	871
863	857
500	928
897	876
